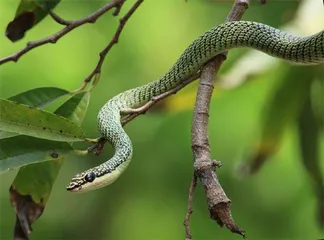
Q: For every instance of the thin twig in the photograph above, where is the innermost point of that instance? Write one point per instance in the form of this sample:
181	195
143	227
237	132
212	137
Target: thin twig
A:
58	19
68	28
218	202
190	206
143	109
113	41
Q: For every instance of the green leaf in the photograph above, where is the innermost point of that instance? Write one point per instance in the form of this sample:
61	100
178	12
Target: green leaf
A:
282	110
38	97
15	117
75	108
28	14
309	137
23	150
37	180
31	193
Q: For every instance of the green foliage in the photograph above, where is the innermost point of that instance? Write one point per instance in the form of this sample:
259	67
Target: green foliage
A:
281	111
23	119
75	108
25	182
19	151
38	97
33	183
37	180
309	140
317	100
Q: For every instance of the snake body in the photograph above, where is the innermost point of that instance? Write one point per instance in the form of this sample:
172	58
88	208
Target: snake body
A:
239	34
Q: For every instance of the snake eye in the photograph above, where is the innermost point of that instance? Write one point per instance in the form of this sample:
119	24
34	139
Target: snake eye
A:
90	177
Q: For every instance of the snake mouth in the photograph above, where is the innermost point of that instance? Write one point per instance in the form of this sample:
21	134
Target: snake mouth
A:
73	187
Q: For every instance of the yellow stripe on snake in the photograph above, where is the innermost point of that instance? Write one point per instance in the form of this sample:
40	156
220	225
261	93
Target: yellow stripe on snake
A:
240	34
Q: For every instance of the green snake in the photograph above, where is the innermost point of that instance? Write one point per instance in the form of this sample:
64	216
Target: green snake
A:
239	34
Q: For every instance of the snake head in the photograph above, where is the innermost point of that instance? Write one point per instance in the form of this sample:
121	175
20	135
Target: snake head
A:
80	181
95	178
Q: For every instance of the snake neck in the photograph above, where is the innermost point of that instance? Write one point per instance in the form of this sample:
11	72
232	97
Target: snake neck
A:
107	172
112	130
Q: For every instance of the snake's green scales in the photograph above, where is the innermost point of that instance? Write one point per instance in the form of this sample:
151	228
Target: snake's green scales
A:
240	34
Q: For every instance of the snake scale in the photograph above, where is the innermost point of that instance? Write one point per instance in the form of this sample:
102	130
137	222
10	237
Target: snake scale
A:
239	34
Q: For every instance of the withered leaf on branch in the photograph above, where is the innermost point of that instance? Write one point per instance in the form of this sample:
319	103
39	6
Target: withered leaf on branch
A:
29	13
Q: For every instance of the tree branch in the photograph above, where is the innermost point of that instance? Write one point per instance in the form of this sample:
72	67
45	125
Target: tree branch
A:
143	109
69	26
218	202
204	167
190	206
113	41
58	19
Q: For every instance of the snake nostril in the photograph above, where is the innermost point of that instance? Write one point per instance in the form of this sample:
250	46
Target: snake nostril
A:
72	186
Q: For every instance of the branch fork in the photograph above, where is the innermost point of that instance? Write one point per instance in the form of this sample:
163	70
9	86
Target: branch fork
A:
201	165
69	26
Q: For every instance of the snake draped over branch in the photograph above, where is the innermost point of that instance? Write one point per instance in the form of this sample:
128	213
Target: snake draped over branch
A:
238	34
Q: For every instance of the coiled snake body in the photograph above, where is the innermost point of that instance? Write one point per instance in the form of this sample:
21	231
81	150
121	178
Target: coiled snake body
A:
240	34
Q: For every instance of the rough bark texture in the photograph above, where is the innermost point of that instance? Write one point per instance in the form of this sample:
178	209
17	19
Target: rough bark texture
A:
204	166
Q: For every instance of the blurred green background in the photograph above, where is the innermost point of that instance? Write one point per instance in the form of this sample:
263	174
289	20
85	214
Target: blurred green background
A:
150	200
